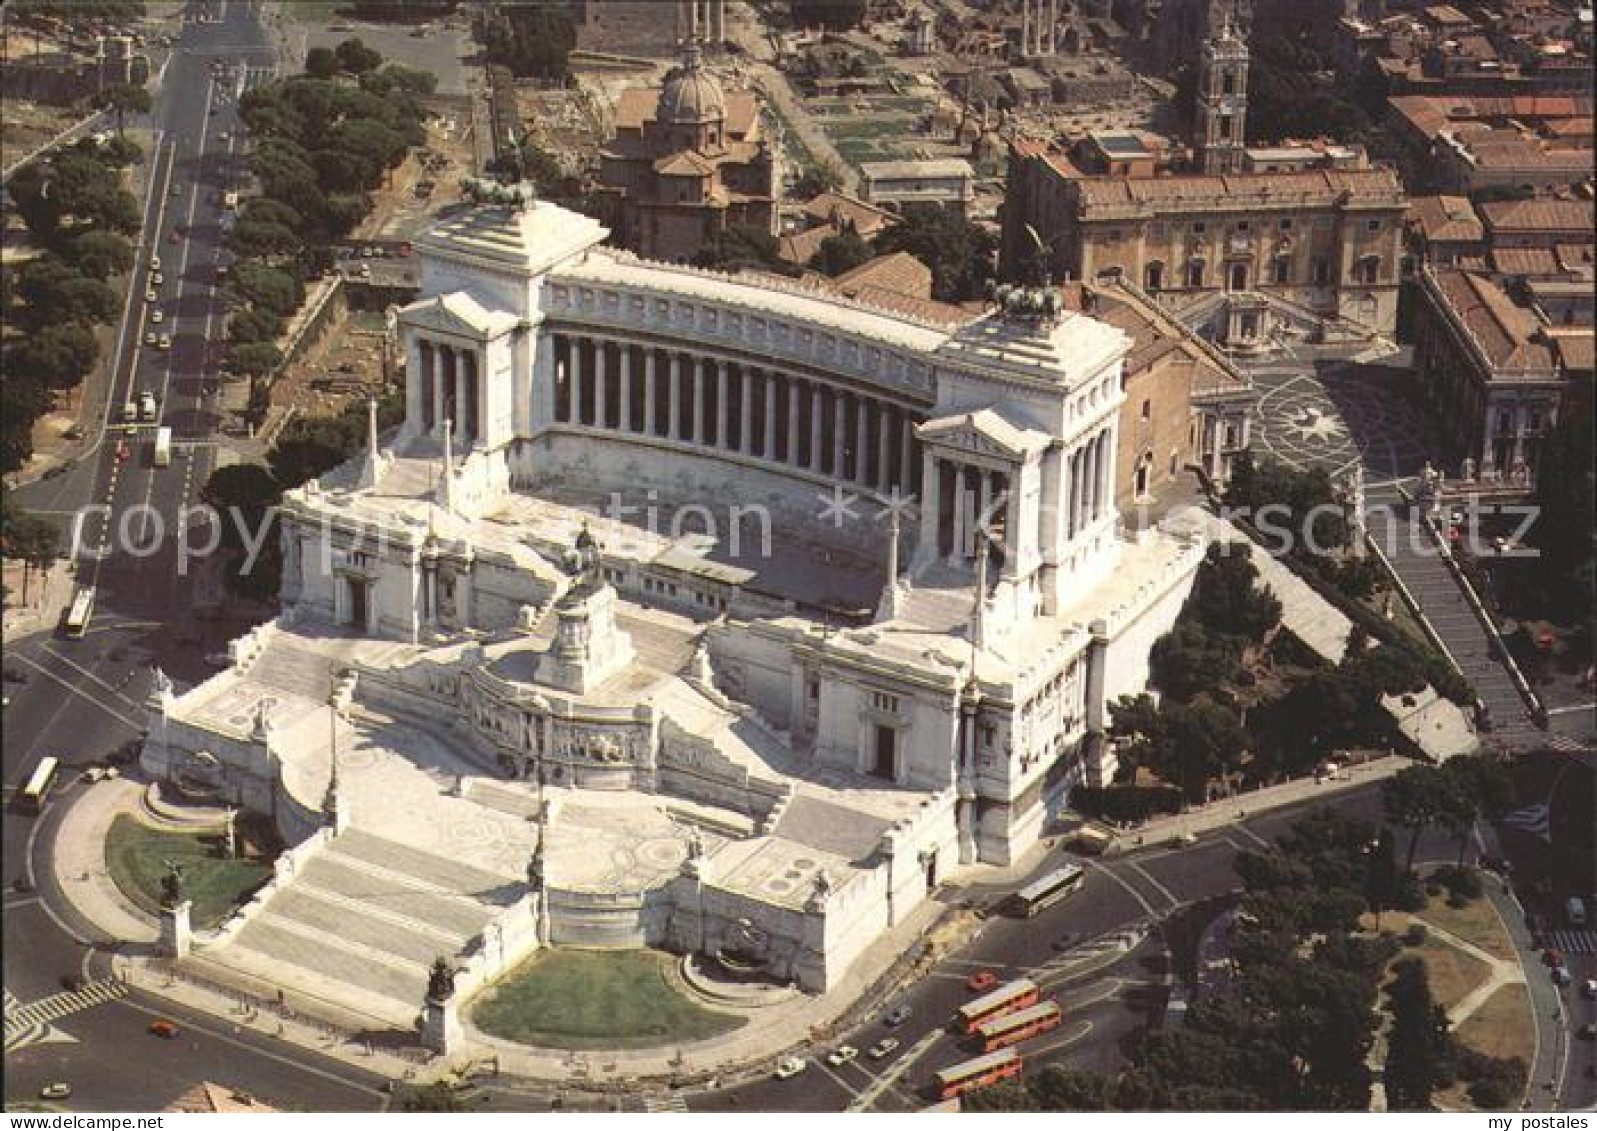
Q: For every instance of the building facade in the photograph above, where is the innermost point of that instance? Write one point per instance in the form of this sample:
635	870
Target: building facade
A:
688	161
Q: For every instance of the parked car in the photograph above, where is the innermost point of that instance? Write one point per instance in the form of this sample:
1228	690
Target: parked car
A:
150	338
157	317
789	1067
1588	989
150	296
981	980
883	1048
166	1030
841	1055
147	410
165	342
1562	976
1588	1032
897	1016
56	1090
130	410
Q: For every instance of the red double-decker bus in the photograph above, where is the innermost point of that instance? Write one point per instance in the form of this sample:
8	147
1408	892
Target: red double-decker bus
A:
982	1072
1007	998
1011	1028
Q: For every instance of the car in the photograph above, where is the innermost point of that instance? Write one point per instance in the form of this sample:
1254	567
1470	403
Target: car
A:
155	278
1588	989
177	190
222	137
841	1055
155	264
130	410
789	1067
166	1030
150	339
981	980
56	1090
1562	976
897	1016
150	296
883	1048
367	252
147	406
157	317
165	343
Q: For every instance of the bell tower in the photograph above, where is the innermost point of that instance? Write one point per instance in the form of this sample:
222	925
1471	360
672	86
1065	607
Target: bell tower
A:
1222	102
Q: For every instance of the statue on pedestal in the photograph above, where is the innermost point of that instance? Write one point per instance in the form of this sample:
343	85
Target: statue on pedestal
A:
172	893
440	981
1467	472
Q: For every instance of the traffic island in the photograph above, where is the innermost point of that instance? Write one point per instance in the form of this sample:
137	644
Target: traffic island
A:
596	999
138	858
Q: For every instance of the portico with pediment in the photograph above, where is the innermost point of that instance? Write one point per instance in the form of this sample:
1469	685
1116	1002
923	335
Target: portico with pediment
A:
454	345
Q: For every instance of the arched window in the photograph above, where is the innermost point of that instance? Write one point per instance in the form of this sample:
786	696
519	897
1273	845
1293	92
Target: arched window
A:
1153	276
1195	273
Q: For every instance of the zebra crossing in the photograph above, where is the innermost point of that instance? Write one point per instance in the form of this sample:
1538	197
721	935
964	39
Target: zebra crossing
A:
1572	942
31	1024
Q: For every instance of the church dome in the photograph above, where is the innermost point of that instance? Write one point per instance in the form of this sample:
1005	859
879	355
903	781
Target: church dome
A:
691	95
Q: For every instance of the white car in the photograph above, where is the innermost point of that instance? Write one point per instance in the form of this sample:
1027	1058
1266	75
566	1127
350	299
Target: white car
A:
150	339
147	406
150	296
883	1048
789	1067
155	264
157	317
165	342
1588	988
155	279
130	412
841	1055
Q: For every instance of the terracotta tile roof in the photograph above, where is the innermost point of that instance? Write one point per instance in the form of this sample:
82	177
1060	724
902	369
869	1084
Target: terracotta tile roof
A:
684	164
1446	219
898	271
1526	261
1537	215
1323	186
639	104
800	247
1155	335
1575	258
1507	333
833	207
1577	351
206	1098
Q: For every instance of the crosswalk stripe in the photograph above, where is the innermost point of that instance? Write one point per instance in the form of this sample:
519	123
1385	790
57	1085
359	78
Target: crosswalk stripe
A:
1573	942
33	1020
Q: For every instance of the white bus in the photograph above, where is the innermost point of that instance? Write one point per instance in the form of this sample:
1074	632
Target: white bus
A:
1049	890
162	456
40	783
82	609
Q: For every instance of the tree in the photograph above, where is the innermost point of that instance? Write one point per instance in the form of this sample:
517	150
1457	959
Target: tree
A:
959	252
740	247
321	62
834	15
1227	597
254	359
1381	880
1417	1043
1476	786
1205	740
841	253
243	494
823	175
356	58
34	541
1189	661
99	255
1411	799
532	40
59	355
122	97
268	288
261	238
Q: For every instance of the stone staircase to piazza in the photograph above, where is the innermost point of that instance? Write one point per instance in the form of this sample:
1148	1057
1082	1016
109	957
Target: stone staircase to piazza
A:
358	927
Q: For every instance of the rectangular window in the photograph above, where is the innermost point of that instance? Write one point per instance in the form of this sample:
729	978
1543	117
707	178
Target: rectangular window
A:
884	702
1283	270
1242	225
1372	225
1199	228
1285	224
1322	272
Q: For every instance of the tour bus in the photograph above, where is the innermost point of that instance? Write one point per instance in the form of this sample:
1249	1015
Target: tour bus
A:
1011	1028
1049	890
981	1072
1007	998
82	609
40	783
162	456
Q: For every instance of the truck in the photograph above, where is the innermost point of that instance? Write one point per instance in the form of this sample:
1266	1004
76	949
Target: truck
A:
162	455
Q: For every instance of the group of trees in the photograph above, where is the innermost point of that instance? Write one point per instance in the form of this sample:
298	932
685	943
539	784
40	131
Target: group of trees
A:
1294	1031
533	40
1452	796
307	447
323	141
77	211
26	537
833	15
1195	734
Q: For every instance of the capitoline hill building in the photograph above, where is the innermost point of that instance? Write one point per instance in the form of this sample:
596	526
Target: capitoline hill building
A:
771	609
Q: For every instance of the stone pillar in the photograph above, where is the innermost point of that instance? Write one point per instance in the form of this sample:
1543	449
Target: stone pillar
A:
441	1030
576	380
650	403
698	400
1073	495
601	385
794	418
418	402
721	383
930	517
1025	27
862	440
1106	462
440	394
817	433
476	398
177	937
745	411
884	446
674	417
839	431
625	350
906	456
1012	520
457	382
984	503
961	523
768	447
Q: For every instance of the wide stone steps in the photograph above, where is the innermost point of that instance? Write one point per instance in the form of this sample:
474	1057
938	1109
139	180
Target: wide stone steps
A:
439	871
517	802
384	890
317	963
356	922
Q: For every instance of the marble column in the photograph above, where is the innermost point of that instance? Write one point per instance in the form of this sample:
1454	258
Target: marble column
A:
721	384
698	399
1012	520
817	434
674	418
650	403
576	380
1106	463
906	455
839	431
961	521
984	501
1073	494
794	419
745	411
884	446
440	394
862	441
768	448
625	350
601	382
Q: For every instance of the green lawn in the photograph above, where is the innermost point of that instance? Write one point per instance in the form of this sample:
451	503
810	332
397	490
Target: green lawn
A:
596	999
136	856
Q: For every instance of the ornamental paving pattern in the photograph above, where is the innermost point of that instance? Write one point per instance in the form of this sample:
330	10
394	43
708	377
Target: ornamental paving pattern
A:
1331	414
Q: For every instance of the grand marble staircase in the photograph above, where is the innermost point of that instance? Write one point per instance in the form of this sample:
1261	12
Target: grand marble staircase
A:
358	927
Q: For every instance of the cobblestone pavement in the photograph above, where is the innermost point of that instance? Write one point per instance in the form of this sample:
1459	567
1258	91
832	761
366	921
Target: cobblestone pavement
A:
1332	414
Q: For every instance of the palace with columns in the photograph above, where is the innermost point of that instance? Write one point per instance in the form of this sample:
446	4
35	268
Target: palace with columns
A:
847	584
